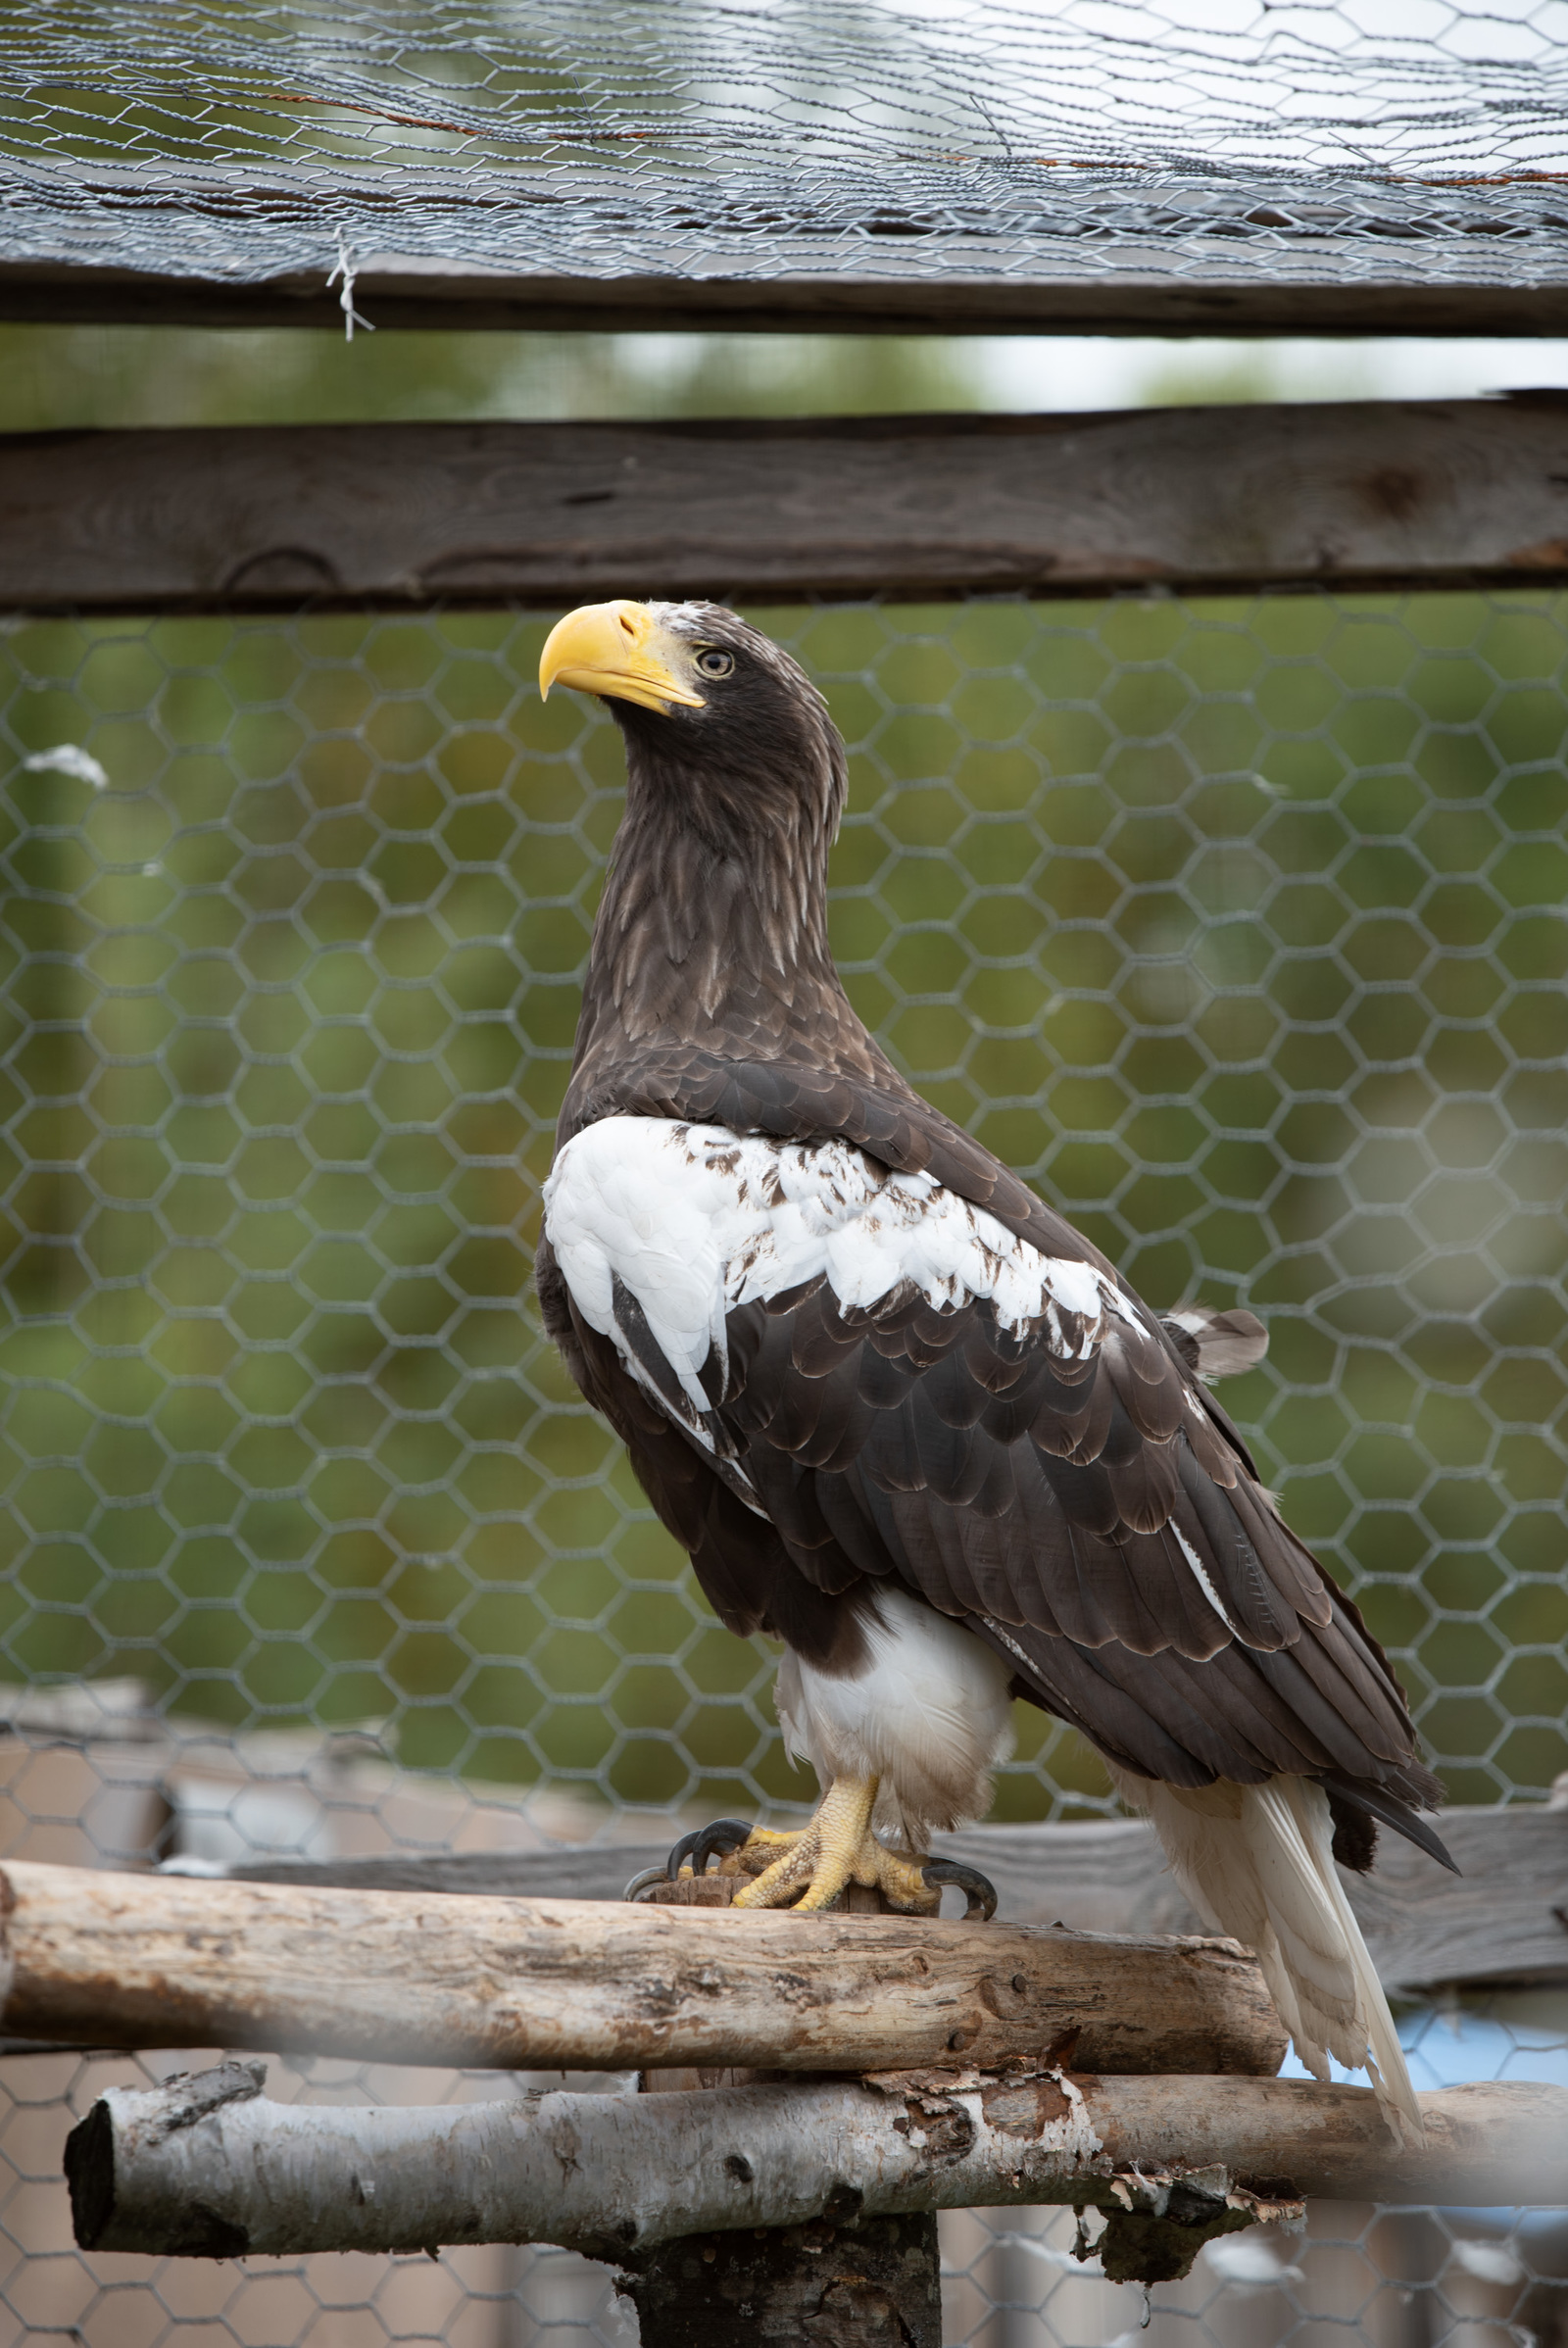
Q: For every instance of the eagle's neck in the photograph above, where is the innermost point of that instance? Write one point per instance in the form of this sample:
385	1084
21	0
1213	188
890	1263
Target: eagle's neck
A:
713	929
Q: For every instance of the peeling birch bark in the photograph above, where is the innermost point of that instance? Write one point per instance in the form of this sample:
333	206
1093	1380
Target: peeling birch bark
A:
146	1959
209	2168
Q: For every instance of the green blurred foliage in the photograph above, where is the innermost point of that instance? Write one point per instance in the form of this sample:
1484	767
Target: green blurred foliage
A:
1238	926
73	378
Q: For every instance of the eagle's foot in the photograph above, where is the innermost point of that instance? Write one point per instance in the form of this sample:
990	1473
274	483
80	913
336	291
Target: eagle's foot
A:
811	1868
836	1849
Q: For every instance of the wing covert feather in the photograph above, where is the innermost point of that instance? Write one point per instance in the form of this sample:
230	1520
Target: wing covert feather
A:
1080	1563
1062	1481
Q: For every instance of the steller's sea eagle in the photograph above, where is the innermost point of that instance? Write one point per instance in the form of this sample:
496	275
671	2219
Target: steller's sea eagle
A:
902	1416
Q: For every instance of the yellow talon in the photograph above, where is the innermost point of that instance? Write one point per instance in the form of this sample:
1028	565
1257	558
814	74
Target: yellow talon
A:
837	1848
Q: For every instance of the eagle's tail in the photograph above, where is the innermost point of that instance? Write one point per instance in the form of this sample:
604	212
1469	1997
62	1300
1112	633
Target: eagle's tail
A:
1256	1861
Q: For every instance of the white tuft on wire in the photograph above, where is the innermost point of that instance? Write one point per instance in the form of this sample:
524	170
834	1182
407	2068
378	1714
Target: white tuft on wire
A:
67	758
1250	2262
345	269
1489	2261
1067	2262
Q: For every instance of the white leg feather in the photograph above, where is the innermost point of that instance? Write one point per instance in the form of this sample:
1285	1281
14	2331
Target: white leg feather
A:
928	1714
1256	1861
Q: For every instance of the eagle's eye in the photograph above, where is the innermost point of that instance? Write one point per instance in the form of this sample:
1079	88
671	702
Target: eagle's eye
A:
714	663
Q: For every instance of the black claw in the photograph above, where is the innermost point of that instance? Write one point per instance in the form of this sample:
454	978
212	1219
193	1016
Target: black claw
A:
693	1851
724	1836
978	1889
680	1854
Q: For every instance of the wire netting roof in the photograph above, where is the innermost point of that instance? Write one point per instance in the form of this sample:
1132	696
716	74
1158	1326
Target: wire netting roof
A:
1423	139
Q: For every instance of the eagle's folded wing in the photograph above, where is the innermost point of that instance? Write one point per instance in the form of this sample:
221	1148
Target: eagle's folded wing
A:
885	1380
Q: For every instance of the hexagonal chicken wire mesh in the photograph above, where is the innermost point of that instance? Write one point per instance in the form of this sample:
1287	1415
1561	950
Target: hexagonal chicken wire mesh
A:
1224	148
1237	925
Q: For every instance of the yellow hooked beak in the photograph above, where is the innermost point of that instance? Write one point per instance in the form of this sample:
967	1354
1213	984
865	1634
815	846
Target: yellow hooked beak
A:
619	649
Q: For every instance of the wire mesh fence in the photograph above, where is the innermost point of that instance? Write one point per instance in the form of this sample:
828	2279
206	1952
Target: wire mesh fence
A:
1238	926
885	138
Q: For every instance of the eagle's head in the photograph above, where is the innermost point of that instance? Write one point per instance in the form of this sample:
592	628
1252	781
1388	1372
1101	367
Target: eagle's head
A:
720	724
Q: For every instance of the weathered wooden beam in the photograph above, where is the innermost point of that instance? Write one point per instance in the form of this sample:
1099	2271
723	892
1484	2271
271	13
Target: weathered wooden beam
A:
144	1960
1501	1919
1340	287
407	515
209	2168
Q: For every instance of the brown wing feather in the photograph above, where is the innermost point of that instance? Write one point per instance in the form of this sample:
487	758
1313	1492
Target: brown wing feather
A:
893	1442
1045	1499
747	1575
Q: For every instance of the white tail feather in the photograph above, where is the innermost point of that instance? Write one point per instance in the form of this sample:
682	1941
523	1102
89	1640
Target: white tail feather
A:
1258	1863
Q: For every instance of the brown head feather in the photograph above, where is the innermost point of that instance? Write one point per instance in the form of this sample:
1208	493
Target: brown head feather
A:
713	931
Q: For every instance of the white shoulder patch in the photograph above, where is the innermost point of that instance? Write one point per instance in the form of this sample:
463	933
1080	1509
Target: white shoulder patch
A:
692	1220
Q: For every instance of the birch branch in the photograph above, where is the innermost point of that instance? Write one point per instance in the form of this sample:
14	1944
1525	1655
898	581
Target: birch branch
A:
209	2168
142	1959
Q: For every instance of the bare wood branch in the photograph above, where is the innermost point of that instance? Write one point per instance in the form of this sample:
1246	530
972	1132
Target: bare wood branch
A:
1501	1919
135	1960
267	519
208	2166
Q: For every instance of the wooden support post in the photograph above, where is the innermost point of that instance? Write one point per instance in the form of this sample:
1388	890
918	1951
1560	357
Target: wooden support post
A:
835	2283
838	2281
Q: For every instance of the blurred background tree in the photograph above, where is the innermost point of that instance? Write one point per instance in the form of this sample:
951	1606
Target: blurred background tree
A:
65	377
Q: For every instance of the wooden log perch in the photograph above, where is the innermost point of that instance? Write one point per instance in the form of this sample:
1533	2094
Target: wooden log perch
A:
145	1960
207	2167
1500	1918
